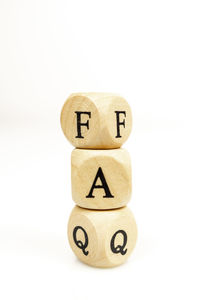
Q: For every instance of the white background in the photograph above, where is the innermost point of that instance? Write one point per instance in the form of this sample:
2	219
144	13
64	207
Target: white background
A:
147	51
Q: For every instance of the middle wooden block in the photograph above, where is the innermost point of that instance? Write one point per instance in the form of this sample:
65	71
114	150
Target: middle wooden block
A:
101	179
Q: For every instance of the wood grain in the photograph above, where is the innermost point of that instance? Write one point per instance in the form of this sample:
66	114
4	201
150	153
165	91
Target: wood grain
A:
101	179
102	238
96	120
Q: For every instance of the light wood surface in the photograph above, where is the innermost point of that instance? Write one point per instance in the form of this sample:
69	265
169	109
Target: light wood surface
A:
102	238
101	179
96	120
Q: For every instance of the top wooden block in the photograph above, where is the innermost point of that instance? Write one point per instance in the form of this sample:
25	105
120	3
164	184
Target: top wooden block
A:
96	120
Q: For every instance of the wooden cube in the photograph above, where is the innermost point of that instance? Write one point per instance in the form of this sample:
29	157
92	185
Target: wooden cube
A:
96	120
102	238
101	179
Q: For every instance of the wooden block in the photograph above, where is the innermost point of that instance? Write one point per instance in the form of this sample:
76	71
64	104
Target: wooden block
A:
101	179
102	238
96	120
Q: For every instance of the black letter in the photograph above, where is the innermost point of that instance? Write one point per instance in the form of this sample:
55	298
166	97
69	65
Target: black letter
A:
119	248
80	244
103	186
119	123
79	124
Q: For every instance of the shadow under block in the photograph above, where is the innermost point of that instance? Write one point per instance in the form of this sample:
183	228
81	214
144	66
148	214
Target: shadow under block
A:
101	179
102	238
96	120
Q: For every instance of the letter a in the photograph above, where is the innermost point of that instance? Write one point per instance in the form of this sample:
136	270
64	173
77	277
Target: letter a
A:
104	185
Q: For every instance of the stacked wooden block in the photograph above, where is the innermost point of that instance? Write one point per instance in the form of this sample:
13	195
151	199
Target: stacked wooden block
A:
102	231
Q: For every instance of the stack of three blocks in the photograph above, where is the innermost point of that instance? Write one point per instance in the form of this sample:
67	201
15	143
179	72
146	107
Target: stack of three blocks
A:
101	230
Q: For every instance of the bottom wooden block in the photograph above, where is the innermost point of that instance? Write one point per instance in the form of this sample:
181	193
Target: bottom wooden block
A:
102	238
